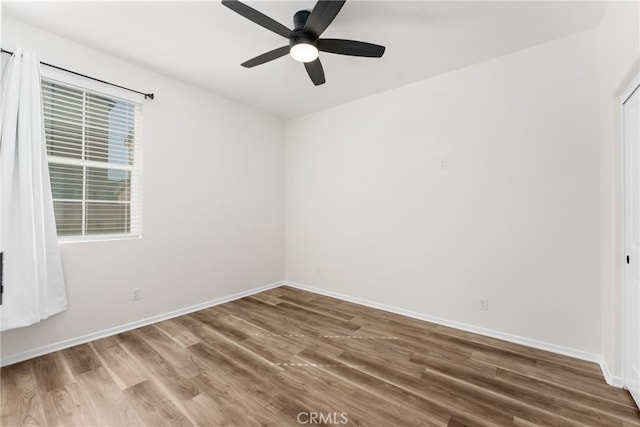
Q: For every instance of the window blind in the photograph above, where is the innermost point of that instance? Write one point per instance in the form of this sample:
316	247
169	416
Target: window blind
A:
93	148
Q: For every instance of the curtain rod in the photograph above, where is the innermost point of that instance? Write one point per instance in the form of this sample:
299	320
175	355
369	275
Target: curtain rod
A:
146	95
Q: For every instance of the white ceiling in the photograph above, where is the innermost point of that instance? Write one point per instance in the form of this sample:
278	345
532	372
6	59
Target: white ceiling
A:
203	43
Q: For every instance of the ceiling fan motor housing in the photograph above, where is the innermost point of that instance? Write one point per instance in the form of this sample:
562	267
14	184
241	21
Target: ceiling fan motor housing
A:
299	19
298	35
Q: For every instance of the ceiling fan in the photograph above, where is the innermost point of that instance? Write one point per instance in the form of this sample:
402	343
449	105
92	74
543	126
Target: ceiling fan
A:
304	39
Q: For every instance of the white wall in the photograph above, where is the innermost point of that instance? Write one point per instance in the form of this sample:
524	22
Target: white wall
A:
515	218
213	204
619	61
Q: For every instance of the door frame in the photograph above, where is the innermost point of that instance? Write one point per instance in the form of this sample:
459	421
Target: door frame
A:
634	85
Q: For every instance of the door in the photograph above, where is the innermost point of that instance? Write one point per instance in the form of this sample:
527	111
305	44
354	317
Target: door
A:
631	285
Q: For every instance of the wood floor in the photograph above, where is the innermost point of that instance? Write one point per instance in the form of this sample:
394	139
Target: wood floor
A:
288	358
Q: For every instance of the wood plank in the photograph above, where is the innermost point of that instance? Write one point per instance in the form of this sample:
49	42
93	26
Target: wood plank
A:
106	400
154	408
177	332
124	371
81	359
21	399
68	406
173	353
51	372
178	388
566	393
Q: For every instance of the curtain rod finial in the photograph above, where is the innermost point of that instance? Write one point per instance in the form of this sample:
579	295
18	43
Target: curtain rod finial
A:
149	95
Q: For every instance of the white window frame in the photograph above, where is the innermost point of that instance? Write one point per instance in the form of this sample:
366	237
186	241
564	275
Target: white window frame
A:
84	84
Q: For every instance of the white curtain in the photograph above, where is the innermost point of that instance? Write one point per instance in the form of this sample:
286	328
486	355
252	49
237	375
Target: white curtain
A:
34	286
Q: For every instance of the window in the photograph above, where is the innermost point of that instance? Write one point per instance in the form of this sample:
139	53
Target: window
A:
93	146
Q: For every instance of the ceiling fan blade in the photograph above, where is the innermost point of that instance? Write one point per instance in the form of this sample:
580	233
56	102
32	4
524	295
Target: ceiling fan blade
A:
315	71
257	17
350	47
266	57
323	14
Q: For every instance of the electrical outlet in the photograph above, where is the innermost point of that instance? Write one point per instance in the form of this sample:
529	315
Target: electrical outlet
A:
484	304
135	294
444	164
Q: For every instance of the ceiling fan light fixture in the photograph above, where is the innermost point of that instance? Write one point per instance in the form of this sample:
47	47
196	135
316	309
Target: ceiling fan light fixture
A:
304	52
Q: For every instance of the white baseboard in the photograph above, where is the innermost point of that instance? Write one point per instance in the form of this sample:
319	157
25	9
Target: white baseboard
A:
611	379
541	345
9	360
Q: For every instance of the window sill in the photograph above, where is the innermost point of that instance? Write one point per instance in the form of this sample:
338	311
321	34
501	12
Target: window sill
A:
98	238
